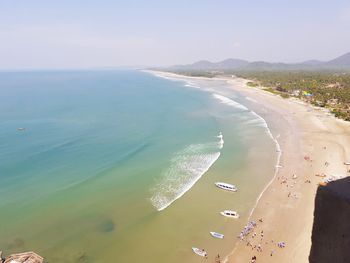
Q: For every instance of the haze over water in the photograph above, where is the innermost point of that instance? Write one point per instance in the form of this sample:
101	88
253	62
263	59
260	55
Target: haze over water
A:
115	166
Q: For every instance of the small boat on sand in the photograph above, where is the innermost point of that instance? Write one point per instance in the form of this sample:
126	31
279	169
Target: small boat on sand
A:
199	252
230	213
346	163
225	186
217	235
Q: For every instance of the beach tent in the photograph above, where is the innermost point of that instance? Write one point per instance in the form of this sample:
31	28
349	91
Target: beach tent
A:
307	94
27	257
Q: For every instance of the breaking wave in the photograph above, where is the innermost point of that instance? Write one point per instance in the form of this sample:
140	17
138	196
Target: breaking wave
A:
191	85
229	102
221	142
251	99
186	168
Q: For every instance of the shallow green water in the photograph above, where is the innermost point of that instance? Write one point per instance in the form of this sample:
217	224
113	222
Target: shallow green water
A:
103	151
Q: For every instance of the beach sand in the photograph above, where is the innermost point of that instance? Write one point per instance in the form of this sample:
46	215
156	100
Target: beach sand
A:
312	142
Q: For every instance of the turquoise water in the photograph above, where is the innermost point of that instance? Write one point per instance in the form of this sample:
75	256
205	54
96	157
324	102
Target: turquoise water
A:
101	170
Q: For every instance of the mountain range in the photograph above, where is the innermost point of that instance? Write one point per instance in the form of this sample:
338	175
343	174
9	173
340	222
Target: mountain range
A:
342	62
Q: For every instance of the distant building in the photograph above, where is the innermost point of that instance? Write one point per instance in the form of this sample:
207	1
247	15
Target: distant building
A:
332	102
307	94
320	103
295	93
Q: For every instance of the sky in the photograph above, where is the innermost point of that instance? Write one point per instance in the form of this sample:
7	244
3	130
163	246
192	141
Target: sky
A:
41	34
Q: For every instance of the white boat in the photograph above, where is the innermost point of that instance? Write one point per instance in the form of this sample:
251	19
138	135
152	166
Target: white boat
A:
346	163
217	235
199	252
225	186
230	213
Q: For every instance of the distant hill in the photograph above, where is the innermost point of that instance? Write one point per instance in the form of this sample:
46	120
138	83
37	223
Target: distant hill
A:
207	65
342	62
312	62
232	63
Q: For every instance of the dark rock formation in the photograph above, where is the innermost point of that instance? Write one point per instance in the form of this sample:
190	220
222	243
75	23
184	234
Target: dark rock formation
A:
331	229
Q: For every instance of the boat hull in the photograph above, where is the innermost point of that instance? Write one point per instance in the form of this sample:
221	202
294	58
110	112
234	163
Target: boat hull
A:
217	235
230	214
199	252
227	187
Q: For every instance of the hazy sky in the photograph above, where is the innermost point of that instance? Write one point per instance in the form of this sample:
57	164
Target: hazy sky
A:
86	33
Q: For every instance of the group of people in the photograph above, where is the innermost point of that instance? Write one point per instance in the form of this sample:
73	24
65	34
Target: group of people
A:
281	244
247	229
249	236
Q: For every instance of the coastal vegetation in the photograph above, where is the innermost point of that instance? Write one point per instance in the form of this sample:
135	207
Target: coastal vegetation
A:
324	88
329	89
324	84
252	84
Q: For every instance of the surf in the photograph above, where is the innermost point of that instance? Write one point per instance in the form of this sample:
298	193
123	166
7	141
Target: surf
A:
229	102
186	168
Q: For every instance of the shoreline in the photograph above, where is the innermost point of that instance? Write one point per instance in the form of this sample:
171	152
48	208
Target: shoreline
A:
173	76
317	135
286	203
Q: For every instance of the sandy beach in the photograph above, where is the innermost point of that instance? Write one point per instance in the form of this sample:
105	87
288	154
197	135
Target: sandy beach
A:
313	143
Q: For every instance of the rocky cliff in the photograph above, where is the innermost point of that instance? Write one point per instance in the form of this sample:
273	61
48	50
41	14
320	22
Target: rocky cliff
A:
331	229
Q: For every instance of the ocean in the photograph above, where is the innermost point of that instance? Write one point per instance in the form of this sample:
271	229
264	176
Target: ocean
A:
120	166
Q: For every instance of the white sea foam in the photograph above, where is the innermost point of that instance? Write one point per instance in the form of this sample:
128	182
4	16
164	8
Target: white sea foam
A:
255	122
186	168
191	84
221	142
251	99
229	102
259	121
264	124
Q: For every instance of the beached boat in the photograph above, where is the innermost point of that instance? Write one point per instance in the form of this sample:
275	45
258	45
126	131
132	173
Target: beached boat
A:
347	163
199	252
225	186
230	213
217	235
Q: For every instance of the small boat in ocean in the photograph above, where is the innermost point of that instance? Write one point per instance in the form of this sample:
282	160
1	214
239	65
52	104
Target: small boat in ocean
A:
199	252
21	129
225	186
217	235
230	213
